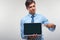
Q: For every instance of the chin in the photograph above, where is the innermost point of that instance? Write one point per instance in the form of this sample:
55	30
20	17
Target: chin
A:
33	12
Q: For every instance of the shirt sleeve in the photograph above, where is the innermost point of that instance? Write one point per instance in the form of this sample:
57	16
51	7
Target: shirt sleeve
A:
44	20
22	30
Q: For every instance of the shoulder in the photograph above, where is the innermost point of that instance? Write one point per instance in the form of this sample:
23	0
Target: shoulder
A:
40	15
23	18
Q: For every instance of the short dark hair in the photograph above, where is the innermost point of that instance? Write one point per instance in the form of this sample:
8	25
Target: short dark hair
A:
28	2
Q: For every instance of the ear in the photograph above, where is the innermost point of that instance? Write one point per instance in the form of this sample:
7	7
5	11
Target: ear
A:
27	8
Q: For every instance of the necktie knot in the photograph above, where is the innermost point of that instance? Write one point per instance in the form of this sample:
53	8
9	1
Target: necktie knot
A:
32	16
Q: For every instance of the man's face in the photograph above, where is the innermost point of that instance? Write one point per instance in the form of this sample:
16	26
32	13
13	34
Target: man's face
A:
31	8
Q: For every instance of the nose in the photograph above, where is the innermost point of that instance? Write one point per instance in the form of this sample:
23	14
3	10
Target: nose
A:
33	8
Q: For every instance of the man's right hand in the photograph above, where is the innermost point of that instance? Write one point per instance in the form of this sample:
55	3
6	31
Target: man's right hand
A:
33	36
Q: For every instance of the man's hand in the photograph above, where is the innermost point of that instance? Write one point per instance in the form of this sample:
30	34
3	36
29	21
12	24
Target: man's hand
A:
50	25
33	36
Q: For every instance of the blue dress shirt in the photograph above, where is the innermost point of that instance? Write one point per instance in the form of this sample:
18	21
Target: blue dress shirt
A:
38	18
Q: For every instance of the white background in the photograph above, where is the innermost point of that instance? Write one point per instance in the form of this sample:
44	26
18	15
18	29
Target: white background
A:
11	12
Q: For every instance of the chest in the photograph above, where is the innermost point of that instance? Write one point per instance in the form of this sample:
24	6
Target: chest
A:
36	20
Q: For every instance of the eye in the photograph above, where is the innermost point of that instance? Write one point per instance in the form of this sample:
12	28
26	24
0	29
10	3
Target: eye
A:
33	5
30	7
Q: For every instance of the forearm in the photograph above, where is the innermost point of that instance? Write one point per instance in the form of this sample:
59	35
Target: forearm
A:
51	27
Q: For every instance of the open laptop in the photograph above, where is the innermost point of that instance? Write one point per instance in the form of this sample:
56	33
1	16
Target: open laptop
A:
32	28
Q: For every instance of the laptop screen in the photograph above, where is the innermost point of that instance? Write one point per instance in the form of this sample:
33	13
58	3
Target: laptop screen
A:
32	28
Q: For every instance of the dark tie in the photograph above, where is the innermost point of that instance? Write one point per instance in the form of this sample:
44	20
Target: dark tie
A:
32	21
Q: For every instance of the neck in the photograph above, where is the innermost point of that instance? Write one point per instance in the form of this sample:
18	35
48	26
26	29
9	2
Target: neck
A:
32	13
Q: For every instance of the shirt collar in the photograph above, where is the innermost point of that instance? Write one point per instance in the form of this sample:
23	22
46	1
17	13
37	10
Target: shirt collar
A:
31	14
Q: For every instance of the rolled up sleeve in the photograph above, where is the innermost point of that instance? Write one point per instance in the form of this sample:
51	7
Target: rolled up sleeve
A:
45	21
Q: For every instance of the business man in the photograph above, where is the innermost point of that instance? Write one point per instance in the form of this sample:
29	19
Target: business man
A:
34	17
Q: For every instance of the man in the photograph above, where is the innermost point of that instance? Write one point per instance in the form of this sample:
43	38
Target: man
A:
35	18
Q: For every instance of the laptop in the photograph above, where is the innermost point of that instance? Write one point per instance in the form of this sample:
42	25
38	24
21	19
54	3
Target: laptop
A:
32	28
